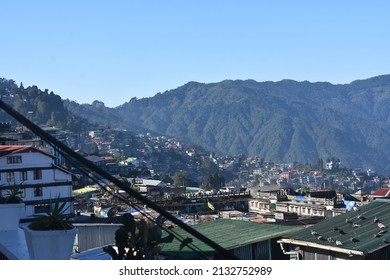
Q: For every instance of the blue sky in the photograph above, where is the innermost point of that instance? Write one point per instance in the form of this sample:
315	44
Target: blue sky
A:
115	50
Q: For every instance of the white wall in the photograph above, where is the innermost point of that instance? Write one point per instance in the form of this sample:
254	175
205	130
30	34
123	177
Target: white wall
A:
37	160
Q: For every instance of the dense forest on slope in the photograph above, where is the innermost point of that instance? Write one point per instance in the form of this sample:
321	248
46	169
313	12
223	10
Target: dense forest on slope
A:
280	121
97	113
41	107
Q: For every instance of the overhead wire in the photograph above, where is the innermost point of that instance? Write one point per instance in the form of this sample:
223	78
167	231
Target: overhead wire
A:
54	142
161	225
105	187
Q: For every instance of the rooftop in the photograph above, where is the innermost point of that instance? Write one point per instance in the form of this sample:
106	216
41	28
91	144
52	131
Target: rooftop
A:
10	149
361	231
383	192
227	233
5	149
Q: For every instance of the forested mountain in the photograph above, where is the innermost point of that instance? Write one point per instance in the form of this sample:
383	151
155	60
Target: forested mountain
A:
97	113
281	121
41	107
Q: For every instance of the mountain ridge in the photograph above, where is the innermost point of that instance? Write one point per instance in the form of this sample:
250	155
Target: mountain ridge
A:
286	120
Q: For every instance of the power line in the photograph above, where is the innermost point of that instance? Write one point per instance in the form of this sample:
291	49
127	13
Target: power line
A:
125	187
193	247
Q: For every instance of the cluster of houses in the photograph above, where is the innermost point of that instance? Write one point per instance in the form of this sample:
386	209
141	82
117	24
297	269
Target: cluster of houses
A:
315	225
285	213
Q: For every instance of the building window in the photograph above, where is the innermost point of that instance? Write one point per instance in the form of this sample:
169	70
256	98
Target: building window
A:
14	159
37	174
23	176
23	193
42	208
10	177
38	191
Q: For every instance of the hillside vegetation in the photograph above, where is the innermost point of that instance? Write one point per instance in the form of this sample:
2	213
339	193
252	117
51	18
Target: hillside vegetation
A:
281	121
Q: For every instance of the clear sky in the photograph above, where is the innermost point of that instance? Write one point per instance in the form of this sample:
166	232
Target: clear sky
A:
115	50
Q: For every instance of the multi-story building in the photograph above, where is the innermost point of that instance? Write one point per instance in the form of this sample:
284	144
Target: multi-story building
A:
40	180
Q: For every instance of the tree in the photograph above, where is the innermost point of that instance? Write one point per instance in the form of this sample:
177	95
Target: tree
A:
94	149
182	179
208	166
166	178
320	164
214	181
137	240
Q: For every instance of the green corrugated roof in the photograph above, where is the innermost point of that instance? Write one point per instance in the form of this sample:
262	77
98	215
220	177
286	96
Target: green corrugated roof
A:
227	233
359	225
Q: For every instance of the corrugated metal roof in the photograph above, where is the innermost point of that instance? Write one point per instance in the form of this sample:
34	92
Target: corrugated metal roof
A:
227	233
362	231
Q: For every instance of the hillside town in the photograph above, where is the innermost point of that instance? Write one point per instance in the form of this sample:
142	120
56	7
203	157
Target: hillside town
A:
276	202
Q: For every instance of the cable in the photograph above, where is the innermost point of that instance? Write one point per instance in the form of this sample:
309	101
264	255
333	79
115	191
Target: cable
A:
62	147
193	247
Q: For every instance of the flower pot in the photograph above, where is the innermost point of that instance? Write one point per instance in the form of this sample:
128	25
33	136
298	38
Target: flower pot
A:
10	214
50	244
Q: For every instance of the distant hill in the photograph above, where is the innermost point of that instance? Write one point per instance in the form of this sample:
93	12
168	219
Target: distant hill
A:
283	121
42	107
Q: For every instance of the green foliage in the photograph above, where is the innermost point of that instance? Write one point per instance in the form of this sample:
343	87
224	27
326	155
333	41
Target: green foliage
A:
214	181
182	179
41	107
13	195
53	219
166	178
137	240
285	121
208	166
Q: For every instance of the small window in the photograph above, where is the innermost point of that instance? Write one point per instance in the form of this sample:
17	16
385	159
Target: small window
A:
23	193
37	174
14	159
23	176
38	191
10	177
42	208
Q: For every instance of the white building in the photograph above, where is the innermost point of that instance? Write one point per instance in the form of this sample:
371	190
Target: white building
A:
40	180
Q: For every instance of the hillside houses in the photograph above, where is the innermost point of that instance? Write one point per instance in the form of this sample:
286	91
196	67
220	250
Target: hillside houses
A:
159	154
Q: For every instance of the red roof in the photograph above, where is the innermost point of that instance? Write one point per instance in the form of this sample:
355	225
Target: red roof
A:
8	149
5	150
382	192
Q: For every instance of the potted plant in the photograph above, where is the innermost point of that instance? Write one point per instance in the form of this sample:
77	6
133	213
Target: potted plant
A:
50	236
11	208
